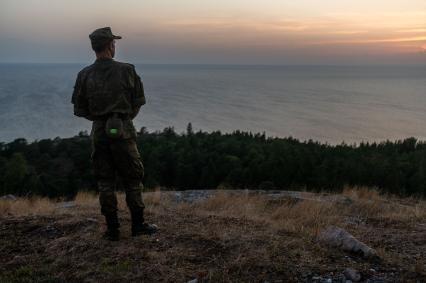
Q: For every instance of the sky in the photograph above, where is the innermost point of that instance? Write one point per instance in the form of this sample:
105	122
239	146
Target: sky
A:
305	32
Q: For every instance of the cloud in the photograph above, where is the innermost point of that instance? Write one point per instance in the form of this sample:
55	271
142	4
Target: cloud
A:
412	30
285	30
374	40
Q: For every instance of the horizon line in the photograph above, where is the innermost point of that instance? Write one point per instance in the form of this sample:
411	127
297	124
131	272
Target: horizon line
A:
223	64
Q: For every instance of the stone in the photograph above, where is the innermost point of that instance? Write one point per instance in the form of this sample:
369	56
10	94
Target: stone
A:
352	274
9	197
339	238
193	281
67	204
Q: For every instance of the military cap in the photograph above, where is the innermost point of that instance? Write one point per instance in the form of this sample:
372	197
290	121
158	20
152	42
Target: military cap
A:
102	36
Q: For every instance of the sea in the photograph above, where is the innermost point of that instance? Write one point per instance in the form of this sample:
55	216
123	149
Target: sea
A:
330	104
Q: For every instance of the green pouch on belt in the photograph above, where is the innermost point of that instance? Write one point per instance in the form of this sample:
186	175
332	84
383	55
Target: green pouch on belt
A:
114	127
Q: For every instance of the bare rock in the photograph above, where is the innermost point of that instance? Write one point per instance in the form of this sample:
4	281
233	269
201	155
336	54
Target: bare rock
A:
91	220
67	204
340	238
352	274
9	197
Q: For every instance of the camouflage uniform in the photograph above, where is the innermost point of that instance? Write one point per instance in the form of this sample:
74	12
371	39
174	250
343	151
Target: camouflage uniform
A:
102	89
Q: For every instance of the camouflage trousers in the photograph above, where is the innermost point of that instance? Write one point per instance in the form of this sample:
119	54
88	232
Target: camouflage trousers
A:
114	159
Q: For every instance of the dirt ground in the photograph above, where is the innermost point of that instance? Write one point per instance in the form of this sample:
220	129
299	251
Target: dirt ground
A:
225	238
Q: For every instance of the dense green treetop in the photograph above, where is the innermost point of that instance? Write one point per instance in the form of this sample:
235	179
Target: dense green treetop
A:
200	160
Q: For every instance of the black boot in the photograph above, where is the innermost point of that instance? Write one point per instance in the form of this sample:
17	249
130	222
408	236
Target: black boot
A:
112	233
144	229
139	227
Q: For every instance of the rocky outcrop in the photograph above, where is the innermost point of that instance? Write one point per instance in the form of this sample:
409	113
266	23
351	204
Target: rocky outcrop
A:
8	197
352	275
339	238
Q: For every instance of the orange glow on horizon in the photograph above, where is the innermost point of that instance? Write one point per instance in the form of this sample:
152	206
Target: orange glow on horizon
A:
269	30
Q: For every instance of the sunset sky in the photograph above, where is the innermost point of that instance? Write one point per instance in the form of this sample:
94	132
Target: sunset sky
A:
219	31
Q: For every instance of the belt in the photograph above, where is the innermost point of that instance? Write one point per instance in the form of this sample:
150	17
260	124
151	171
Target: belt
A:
123	116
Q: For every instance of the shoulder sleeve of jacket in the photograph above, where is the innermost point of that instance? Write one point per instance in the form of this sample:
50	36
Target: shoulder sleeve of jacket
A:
79	99
138	98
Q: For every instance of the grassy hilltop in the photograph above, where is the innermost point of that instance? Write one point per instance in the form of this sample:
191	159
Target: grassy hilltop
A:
237	237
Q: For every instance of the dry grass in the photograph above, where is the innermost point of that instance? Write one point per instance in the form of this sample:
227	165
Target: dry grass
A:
27	206
236	237
306	217
83	200
86	198
369	203
362	193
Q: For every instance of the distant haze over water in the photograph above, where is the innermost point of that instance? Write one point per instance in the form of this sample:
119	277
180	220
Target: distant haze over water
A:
325	103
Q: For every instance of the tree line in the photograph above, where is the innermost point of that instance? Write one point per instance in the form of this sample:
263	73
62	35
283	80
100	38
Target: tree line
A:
60	167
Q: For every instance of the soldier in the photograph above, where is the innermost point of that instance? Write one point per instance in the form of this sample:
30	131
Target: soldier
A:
110	94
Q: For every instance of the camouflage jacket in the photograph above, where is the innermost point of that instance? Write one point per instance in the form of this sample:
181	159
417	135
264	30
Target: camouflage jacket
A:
106	87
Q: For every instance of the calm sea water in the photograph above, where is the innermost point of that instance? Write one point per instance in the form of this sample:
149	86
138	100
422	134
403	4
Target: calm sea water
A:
329	104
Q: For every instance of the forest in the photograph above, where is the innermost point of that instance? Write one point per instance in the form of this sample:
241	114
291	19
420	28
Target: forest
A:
60	167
